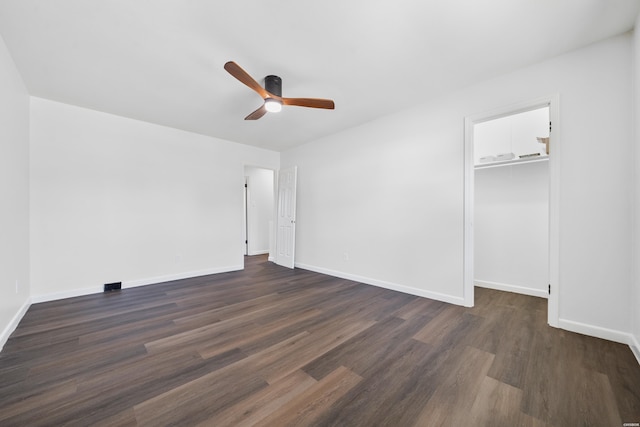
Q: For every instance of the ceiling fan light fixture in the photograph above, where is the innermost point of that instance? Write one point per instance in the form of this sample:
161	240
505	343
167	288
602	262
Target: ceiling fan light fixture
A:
272	93
272	105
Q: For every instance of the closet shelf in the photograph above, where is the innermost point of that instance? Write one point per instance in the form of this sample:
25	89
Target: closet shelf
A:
512	162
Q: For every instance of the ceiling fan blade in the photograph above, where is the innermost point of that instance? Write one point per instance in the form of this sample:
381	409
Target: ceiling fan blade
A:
257	114
236	71
310	102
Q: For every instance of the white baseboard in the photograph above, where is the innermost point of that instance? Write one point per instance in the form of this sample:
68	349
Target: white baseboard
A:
387	285
596	331
133	283
178	276
252	253
512	288
635	347
53	296
13	324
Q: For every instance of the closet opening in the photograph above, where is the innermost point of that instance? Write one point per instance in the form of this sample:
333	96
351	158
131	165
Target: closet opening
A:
511	204
511	194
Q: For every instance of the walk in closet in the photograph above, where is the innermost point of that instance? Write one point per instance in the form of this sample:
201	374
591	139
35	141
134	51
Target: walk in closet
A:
511	211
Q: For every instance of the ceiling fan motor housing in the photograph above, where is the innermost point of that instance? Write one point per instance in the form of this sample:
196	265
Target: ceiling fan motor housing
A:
273	84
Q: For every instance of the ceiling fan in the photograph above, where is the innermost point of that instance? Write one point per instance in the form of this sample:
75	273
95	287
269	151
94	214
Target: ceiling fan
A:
272	93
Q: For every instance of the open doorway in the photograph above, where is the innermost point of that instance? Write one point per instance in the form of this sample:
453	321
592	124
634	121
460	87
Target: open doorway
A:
511	201
258	212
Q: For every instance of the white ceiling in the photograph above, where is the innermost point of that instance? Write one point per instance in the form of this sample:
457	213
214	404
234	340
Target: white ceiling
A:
162	61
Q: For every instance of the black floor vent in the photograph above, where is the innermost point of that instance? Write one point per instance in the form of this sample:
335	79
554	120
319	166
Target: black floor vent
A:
116	286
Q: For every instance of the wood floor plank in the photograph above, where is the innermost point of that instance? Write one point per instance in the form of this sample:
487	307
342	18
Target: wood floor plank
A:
289	346
585	386
126	418
255	333
196	401
68	321
115	395
85	360
228	321
309	405
225	320
438	328
269	366
420	307
514	347
167	405
452	402
302	352
228	311
14	410
110	382
356	352
621	369
263	403
393	394
498	403
368	350
557	390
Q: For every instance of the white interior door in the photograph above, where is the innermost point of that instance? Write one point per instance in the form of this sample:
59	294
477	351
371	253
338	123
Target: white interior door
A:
245	218
286	221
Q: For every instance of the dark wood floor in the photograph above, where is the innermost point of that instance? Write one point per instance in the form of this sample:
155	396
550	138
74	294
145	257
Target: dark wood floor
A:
274	347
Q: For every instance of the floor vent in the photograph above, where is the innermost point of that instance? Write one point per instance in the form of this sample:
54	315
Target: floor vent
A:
116	286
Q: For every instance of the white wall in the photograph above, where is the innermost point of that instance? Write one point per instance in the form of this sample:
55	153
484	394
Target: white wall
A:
390	193
511	228
260	208
115	199
379	203
14	195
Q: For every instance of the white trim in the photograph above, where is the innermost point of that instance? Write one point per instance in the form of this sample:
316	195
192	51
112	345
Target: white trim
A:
382	284
596	331
179	276
13	324
512	288
553	306
553	101
469	203
635	347
133	283
35	299
262	252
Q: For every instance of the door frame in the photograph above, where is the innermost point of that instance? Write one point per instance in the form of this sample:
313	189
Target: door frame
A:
249	230
553	101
